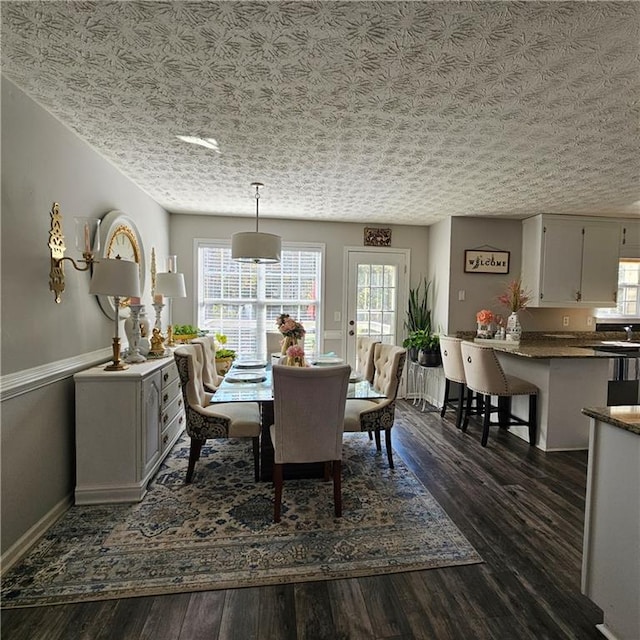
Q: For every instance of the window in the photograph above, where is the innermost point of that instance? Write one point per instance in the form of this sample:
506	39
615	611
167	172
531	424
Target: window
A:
628	292
243	300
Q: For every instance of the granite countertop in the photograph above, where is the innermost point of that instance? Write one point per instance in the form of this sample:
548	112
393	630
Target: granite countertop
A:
557	345
625	417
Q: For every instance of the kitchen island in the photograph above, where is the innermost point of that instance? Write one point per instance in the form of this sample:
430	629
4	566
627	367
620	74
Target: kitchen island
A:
611	547
570	375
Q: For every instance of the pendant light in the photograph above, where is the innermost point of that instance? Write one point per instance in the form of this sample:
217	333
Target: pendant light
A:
253	246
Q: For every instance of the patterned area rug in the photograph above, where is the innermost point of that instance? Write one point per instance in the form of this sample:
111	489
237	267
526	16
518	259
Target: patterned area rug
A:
218	532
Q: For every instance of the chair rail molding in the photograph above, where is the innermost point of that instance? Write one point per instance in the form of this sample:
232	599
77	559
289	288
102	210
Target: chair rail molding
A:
28	380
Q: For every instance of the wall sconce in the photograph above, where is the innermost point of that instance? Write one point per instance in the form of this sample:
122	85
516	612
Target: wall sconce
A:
120	279
87	243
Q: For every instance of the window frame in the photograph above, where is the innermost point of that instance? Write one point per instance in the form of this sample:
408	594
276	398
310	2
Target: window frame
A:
612	313
225	243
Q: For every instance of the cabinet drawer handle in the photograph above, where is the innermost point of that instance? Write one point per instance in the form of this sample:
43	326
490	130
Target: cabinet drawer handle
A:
165	439
165	417
180	402
180	420
165	397
165	377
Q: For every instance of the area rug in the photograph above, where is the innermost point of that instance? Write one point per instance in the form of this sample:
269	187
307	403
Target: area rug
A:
218	532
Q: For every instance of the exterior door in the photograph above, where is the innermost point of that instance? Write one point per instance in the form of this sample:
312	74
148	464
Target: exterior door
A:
376	296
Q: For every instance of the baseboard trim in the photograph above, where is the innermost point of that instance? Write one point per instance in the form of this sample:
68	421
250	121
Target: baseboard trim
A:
28	380
33	535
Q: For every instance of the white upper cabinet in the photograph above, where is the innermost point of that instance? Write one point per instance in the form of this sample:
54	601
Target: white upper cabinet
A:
569	261
630	238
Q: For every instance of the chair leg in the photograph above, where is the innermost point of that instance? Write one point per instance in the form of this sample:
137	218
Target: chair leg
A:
256	458
194	456
487	419
504	411
327	471
337	487
533	418
277	483
370	435
460	407
447	387
376	433
387	444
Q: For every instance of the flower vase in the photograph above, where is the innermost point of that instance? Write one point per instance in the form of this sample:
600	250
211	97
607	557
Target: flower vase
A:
484	330
294	361
287	342
514	329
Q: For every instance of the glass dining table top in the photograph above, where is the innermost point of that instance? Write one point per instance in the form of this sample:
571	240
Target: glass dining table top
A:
254	385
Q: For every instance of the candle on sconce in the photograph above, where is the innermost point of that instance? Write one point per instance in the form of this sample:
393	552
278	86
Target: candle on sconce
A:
87	239
134	300
158	299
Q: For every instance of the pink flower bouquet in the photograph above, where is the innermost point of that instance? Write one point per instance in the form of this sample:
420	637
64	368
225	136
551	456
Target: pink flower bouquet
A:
289	327
484	316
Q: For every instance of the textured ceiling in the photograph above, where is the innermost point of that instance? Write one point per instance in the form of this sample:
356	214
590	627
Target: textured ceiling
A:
377	112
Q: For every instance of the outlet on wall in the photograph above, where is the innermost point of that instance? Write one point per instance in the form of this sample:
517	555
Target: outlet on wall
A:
565	321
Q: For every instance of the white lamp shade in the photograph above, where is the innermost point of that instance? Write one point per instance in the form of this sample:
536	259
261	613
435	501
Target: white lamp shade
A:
114	277
253	246
171	285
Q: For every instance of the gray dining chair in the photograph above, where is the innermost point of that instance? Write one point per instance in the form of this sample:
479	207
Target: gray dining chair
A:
365	351
205	420
309	405
379	415
210	377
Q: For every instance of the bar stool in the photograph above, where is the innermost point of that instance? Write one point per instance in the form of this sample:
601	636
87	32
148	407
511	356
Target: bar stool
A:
453	372
485	376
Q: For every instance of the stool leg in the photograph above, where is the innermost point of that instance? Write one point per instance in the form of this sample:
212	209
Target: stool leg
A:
467	411
504	411
460	407
487	420
533	417
447	385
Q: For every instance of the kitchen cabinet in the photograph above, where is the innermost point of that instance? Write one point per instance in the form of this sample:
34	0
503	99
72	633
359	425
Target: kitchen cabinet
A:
569	261
126	423
629	238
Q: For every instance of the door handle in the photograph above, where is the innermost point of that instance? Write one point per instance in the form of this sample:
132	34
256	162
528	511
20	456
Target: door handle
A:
351	323
351	332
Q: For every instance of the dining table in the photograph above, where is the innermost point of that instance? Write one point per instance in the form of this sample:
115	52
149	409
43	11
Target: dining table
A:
250	380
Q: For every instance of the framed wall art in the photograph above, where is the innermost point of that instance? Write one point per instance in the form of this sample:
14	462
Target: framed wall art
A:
377	237
486	261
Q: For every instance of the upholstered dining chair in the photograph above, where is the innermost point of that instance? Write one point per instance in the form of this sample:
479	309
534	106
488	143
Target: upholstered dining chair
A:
210	377
309	407
453	369
379	415
204	420
274	343
365	348
485	376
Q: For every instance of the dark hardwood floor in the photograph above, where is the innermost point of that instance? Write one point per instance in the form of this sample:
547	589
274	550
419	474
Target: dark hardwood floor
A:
522	509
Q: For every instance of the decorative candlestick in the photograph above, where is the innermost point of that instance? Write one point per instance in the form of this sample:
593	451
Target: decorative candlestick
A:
158	305
134	354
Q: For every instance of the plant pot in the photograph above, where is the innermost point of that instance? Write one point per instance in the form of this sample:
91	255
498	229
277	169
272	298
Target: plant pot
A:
429	358
413	354
223	365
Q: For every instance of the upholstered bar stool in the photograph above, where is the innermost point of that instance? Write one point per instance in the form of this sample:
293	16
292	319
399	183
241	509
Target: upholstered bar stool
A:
485	376
453	372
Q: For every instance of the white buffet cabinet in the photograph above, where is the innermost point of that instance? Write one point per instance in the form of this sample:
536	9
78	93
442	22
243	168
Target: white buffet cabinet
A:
126	423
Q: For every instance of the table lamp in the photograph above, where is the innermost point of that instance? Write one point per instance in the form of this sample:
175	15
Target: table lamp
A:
120	279
168	285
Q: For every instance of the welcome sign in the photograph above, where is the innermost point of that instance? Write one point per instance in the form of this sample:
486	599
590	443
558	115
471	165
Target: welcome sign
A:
486	261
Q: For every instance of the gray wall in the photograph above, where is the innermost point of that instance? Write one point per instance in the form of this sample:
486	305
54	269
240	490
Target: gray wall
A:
44	343
335	236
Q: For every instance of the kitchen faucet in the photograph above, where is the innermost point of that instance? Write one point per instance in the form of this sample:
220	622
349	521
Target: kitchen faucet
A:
628	329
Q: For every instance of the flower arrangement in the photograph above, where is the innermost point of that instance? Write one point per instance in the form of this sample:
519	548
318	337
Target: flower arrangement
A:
515	297
484	316
289	327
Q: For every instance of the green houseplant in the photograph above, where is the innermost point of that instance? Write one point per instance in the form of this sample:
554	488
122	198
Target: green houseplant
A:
224	356
420	339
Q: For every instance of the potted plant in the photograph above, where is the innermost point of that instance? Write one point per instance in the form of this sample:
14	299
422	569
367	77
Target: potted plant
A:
429	355
224	356
418	322
186	332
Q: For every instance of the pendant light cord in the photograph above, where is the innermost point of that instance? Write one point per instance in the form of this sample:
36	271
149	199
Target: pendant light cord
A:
257	185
